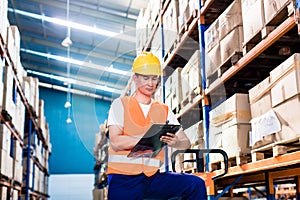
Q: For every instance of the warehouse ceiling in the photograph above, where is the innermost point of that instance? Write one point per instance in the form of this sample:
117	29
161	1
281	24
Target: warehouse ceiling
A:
103	42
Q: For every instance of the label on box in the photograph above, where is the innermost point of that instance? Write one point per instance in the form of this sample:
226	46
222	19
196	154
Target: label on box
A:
264	125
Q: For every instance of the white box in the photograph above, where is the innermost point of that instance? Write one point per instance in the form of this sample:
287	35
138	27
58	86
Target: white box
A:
234	140
230	18
195	133
234	110
253	18
211	36
170	21
18	171
3	192
273	7
8	86
232	43
6	164
212	60
193	68
285	80
5	138
15	194
3	17
260	98
288	115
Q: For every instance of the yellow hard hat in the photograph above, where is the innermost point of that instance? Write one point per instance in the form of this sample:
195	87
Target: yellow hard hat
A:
147	64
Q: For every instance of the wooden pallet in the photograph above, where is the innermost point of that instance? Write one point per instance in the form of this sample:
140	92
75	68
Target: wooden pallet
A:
258	37
276	149
190	170
238	160
231	60
171	50
187	24
189	98
4	178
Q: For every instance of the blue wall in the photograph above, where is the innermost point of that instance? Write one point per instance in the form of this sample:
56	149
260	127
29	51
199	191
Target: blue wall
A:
72	144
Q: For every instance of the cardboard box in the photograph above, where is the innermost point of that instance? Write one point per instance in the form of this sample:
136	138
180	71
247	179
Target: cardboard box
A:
155	6
211	36
14	194
234	140
260	98
10	91
230	19
5	138
13	44
3	192
231	44
6	164
173	88
253	18
262	127
182	5
176	83
1	95
3	17
289	118
193	68
31	91
212	60
17	171
280	123
170	21
184	14
273	7
285	80
191	76
2	65
235	110
195	133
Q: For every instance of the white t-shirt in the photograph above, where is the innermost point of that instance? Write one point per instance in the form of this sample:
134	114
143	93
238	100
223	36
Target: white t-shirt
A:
116	113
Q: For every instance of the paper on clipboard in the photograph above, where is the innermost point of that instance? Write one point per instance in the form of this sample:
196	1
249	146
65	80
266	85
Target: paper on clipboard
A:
150	144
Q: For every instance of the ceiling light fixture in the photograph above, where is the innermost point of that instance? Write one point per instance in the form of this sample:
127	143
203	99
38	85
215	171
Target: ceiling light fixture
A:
78	82
78	62
82	27
67	42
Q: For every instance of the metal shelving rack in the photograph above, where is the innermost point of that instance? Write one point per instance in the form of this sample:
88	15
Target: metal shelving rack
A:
266	172
33	128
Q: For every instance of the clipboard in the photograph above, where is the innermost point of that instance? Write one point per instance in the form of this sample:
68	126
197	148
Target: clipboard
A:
150	145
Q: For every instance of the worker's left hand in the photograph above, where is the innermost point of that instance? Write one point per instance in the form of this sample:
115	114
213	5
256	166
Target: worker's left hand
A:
170	139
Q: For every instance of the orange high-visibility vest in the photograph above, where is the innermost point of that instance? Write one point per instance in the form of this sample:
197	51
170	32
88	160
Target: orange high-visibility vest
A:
135	123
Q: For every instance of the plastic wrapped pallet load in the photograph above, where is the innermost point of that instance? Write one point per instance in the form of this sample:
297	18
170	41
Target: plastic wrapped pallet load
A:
230	125
282	121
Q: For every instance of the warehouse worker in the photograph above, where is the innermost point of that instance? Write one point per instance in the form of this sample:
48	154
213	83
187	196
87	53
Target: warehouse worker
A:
129	118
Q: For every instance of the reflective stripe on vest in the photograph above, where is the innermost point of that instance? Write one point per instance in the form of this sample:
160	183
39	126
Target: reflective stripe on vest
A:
145	161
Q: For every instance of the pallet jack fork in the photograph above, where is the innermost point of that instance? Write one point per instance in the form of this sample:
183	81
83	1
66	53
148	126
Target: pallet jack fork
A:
209	177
